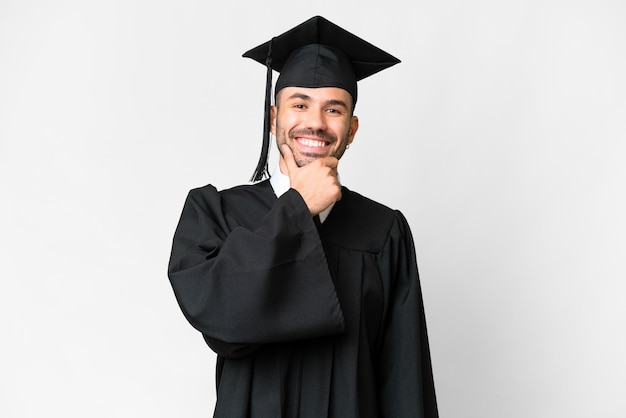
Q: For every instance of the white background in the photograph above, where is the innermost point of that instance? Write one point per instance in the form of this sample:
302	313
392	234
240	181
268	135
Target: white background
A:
501	136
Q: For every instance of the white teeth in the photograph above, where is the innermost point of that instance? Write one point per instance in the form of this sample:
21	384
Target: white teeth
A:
312	143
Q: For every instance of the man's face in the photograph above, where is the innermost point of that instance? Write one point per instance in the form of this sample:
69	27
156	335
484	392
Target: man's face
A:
314	122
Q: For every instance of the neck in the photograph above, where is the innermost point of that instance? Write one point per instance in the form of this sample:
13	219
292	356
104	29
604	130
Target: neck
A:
283	165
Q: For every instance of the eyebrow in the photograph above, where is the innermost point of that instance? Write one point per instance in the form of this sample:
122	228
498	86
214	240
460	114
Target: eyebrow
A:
300	96
306	97
335	102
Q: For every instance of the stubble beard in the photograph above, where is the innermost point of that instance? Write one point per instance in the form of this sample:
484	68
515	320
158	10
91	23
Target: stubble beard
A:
301	158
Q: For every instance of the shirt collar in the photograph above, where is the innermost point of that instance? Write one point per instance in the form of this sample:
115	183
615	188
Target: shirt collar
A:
280	183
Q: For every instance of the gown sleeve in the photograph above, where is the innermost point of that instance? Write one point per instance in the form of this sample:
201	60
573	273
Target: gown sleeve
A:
243	287
404	365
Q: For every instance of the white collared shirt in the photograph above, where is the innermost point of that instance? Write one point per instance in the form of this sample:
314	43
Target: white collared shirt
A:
280	183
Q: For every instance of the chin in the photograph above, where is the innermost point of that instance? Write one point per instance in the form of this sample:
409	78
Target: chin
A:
305	159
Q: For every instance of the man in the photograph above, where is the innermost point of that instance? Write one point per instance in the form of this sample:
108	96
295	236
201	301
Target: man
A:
307	291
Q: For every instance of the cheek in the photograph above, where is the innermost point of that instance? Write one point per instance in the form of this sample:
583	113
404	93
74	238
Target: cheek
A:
283	124
342	131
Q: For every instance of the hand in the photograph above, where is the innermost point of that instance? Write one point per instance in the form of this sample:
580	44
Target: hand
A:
316	182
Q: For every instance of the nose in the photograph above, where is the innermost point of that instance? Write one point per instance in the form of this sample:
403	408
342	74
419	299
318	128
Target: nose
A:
316	120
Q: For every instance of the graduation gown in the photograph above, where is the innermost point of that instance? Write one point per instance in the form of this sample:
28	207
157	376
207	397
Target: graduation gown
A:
307	320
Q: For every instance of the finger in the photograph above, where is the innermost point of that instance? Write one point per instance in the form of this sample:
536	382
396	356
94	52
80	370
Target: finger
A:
287	156
331	162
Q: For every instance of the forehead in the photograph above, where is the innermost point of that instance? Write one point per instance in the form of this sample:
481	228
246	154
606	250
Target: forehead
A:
318	94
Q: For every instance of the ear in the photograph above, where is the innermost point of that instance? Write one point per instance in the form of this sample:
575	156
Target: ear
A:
354	126
273	112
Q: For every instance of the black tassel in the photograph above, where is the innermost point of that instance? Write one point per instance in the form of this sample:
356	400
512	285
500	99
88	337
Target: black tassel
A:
261	170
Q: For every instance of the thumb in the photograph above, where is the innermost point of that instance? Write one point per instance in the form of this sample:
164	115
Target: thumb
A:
288	158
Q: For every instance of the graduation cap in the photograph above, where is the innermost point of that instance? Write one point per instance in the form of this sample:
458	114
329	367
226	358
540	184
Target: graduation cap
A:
316	53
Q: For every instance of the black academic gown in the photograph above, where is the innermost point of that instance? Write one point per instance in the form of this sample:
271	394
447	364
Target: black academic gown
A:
308	320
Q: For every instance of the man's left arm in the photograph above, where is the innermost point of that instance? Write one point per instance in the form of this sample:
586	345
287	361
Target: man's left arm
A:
404	366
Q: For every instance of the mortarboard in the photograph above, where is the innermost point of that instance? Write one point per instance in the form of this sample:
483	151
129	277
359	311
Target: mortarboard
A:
316	53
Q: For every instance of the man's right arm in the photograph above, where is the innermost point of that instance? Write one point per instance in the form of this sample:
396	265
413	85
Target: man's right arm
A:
244	287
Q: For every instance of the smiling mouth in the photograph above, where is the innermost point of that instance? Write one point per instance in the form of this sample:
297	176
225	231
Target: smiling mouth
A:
312	143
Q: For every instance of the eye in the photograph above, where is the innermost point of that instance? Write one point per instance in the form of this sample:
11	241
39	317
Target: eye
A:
334	111
299	106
